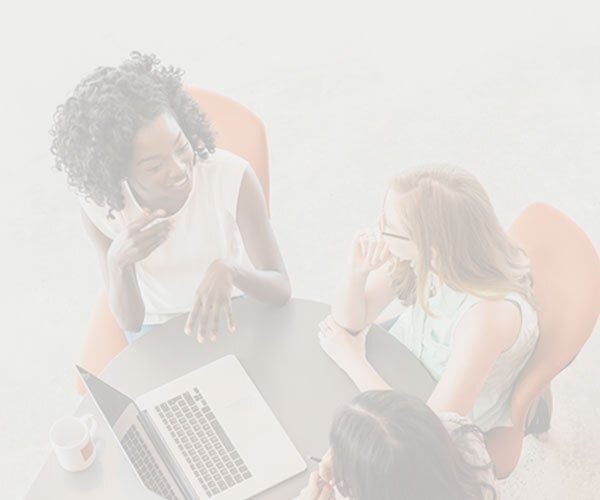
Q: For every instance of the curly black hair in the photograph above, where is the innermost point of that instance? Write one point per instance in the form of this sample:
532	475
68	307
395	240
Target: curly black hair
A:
93	130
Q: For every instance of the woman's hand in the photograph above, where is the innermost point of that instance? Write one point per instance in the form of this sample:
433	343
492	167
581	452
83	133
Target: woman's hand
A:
326	467
347	350
317	489
139	239
212	298
369	252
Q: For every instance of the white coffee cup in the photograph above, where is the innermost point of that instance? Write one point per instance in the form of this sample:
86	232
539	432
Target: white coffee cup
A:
72	441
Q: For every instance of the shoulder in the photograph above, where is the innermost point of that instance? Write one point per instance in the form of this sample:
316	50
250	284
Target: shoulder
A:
467	436
498	320
452	420
99	217
227	168
224	172
462	428
227	161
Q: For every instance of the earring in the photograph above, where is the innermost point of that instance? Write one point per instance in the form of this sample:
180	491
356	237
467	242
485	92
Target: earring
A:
431	288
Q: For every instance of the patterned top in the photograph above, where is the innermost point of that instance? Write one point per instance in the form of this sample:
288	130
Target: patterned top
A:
473	450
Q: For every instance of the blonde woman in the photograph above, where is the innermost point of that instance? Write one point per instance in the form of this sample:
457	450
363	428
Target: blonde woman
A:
440	249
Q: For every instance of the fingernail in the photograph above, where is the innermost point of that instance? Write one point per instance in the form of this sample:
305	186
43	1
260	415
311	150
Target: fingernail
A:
199	339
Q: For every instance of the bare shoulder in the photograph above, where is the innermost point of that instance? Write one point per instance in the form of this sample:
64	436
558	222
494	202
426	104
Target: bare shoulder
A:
99	239
251	199
229	165
498	320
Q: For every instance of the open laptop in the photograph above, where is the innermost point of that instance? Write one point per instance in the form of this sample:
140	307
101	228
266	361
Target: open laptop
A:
207	434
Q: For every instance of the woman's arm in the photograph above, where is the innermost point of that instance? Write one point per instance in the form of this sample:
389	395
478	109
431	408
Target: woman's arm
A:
349	353
269	281
121	284
366	288
487	329
366	378
117	259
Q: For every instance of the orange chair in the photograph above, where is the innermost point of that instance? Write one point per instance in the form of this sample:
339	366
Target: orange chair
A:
566	286
238	130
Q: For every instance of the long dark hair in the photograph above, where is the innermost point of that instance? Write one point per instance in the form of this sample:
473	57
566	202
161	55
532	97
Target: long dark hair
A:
391	446
93	131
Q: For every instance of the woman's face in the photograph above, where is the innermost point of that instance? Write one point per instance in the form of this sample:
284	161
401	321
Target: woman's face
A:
396	234
160	173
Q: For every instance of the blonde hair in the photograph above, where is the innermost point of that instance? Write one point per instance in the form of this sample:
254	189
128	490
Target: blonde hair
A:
447	209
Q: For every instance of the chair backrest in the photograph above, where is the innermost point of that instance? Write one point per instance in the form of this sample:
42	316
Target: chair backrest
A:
565	269
238	130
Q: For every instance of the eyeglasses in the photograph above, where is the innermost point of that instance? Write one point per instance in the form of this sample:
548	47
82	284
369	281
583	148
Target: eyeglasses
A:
381	229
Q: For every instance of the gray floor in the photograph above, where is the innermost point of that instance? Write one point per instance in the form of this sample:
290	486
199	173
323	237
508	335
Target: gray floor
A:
349	96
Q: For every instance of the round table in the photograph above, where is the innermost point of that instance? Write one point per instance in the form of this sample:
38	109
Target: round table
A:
279	348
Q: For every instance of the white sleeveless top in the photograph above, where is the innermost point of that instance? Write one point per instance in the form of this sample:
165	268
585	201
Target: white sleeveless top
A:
202	230
431	339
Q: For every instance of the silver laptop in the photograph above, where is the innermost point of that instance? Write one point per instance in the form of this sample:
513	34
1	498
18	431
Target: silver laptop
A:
208	434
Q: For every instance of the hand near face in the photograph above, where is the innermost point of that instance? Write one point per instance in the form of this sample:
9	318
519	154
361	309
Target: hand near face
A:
369	252
317	489
347	350
212	299
320	484
326	467
139	239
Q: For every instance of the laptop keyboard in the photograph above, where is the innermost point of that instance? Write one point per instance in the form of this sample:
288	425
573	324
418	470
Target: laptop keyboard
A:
145	465
203	442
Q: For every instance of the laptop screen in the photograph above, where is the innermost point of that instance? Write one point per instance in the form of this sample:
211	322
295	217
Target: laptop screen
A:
123	415
111	402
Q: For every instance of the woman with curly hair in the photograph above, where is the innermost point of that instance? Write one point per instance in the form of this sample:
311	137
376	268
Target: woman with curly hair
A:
439	248
178	224
386	445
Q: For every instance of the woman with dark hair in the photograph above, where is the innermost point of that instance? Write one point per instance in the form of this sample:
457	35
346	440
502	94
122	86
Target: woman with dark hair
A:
391	446
178	224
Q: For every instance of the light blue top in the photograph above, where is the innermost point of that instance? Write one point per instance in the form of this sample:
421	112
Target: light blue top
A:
431	338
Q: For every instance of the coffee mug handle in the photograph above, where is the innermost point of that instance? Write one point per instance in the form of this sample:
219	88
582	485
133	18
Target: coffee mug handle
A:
90	422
